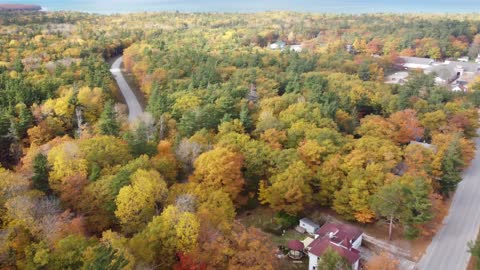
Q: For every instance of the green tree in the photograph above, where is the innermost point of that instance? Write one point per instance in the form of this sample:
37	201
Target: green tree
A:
419	205
331	260
474	249
108	123
158	103
25	121
68	252
452	164
408	203
40	173
17	65
245	118
389	202
364	71
140	142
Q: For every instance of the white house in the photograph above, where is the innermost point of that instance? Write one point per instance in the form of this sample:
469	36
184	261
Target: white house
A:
296	48
416	62
397	78
279	45
341	238
309	226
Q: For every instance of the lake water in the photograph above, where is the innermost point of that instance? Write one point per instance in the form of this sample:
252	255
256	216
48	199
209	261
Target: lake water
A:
319	6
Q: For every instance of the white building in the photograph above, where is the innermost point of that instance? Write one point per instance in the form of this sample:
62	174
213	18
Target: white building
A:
309	226
279	45
296	48
416	62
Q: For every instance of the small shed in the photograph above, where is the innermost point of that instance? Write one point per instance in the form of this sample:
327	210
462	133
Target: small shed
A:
309	226
279	45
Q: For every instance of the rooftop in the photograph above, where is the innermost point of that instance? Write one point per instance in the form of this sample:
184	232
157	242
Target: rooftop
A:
449	69
339	232
425	145
416	60
320	245
309	222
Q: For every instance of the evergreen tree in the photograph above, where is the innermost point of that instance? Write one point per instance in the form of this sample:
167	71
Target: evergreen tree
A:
5	140
364	72
17	65
108	123
188	124
139	141
452	164
389	202
419	205
25	121
158	102
245	118
40	170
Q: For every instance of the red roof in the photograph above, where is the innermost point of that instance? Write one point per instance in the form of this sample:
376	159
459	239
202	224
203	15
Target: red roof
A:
338	237
340	232
296	245
320	245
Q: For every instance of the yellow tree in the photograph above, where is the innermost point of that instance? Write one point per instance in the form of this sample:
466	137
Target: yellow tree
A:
140	201
66	161
170	233
312	153
288	191
220	168
92	102
105	151
376	126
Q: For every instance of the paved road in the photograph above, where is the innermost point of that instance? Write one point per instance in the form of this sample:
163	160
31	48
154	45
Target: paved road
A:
448	250
134	108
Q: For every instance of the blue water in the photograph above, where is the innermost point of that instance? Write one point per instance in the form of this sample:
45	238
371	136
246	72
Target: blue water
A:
327	6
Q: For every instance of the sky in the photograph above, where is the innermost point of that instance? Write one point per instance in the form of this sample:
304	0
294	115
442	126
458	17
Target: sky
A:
329	6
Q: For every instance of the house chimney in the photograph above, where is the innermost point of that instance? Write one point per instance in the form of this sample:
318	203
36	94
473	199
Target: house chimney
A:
348	243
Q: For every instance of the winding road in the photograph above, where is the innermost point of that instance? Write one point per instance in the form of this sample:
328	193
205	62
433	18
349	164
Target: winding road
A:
134	107
449	250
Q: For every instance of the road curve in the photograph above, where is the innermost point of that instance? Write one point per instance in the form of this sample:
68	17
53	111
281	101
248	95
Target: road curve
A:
134	108
448	250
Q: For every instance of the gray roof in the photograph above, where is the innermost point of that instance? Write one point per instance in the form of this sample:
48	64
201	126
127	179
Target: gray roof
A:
309	222
425	145
417	60
449	69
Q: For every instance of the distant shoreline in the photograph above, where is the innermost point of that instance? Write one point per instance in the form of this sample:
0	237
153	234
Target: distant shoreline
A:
19	7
